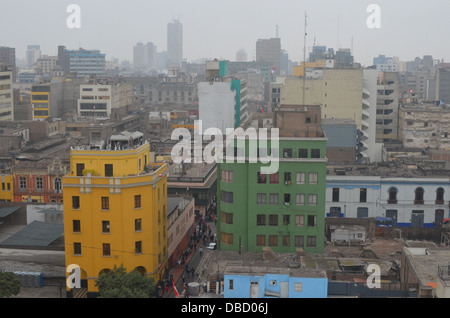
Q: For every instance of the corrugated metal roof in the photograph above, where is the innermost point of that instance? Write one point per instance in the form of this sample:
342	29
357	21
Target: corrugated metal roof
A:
35	234
7	211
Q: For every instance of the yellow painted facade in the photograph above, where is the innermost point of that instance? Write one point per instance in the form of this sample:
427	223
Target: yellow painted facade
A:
41	107
299	70
6	190
124	206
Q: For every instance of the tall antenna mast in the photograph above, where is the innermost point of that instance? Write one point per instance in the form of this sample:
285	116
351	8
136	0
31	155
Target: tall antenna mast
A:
276	33
304	61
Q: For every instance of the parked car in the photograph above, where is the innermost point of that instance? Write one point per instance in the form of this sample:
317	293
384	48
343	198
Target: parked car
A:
212	246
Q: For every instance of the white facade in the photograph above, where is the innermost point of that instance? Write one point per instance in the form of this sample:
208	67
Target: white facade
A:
6	96
404	206
217	102
369	149
95	100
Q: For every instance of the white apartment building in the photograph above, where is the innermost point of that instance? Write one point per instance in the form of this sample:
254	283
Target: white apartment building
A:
6	96
410	202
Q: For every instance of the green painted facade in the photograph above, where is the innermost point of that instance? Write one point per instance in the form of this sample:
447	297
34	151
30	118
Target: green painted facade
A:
280	225
236	86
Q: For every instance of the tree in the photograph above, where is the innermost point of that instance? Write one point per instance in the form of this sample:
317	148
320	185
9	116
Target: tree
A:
9	284
117	283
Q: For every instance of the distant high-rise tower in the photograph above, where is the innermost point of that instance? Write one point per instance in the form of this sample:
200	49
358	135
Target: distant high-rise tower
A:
241	56
33	53
175	44
269	50
8	58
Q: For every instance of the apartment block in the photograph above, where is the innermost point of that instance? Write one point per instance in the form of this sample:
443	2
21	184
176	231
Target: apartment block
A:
115	211
283	210
387	107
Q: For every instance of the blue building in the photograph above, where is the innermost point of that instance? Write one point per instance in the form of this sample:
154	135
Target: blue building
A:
264	282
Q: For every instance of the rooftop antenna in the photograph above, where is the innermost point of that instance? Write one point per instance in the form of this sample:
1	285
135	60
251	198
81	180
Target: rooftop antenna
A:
304	61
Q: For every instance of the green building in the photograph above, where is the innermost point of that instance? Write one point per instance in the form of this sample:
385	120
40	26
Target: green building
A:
283	210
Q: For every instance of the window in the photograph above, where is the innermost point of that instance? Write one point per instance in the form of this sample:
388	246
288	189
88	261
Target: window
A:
105	203
299	241
312	199
286	240
440	196
230	284
273	220
58	185
260	219
335	212
299	220
273	240
312	176
260	240
138	247
335	196
227	176
105	227
274	178
80	168
137	225
23	182
108	170
261	178
75	202
261	199
299	199
287	153
287	178
137	201
298	287
287	199
312	220
106	249
419	196
39	185
363	195
286	219
315	153
227	238
311	241
300	177
227	197
76	226
77	248
274	199
227	218
392	195
303	153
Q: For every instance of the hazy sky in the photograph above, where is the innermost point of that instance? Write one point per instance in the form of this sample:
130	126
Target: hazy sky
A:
219	28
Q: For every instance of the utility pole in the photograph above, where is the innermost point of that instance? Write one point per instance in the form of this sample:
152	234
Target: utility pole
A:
304	62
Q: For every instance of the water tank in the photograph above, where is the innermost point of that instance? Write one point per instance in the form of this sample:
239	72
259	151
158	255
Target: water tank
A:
194	288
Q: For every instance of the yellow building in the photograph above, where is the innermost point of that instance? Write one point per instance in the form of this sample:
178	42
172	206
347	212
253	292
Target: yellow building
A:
299	70
40	99
6	190
115	212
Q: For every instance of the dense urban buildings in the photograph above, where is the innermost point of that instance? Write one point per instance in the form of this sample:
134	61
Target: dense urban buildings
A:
90	175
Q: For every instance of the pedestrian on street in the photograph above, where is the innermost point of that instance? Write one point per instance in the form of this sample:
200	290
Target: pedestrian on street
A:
201	251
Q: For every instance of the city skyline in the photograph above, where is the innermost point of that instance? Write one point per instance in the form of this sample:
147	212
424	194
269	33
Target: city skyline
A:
408	28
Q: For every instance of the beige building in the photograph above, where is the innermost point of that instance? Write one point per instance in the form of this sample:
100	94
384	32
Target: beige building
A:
338	91
99	100
45	64
6	95
425	126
